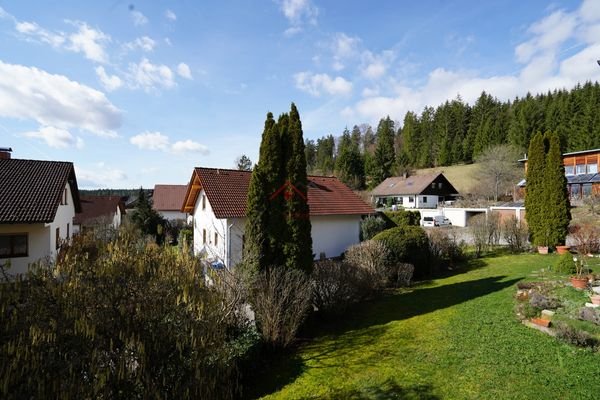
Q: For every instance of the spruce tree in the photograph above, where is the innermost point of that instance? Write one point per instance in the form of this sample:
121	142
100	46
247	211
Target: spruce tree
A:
534	189
556	206
384	157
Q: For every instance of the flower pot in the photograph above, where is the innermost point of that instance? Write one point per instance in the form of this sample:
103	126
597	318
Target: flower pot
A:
541	322
543	249
595	298
563	249
579	283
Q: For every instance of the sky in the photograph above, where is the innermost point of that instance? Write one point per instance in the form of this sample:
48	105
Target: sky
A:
138	93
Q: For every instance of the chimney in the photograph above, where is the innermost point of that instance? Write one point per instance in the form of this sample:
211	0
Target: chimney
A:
5	153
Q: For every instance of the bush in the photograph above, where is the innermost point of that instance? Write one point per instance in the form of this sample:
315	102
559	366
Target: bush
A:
586	238
371	226
408	244
565	264
403	218
479	233
572	335
541	302
515	233
444	247
337	284
118	320
281	298
590	315
373	257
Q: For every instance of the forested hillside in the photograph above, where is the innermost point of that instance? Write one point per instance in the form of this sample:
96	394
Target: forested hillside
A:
456	132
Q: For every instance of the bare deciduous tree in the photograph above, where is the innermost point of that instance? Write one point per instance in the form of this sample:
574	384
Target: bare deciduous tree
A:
499	170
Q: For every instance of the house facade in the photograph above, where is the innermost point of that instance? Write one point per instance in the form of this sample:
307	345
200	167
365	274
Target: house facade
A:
581	170
417	191
99	211
38	201
217	200
167	201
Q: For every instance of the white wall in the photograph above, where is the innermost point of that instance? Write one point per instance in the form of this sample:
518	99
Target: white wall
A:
64	215
173	215
38	245
428	201
206	220
333	234
117	218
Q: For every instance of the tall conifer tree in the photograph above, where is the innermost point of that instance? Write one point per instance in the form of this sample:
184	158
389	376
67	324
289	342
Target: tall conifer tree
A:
557	213
534	188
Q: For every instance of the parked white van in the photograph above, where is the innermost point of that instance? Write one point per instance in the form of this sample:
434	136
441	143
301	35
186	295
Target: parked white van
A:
436	220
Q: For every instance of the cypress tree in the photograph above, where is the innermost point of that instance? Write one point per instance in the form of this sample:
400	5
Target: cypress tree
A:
557	214
534	191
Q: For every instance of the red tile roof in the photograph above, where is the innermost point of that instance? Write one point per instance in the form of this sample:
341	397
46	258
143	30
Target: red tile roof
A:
93	207
31	190
168	197
227	192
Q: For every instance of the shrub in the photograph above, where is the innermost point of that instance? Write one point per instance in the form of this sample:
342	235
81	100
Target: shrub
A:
403	218
374	258
371	226
590	315
444	247
408	244
479	233
586	238
565	264
572	335
117	320
281	298
337	284
493	226
515	233
541	302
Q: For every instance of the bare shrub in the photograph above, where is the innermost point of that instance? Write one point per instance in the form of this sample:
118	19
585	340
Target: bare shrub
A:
444	246
404	274
374	258
281	298
586	238
574	336
479	233
493	226
337	284
515	233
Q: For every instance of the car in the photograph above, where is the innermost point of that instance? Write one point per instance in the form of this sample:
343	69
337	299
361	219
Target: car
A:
437	220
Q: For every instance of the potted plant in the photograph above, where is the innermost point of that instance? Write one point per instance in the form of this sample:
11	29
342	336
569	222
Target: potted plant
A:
563	249
580	279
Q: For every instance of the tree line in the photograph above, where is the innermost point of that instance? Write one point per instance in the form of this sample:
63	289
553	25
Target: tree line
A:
456	132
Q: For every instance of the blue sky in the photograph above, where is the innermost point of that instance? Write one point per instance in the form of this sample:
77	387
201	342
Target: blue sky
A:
138	93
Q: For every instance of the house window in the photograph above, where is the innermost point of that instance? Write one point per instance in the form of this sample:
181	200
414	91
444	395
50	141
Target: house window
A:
569	170
68	230
400	200
580	169
57	238
13	245
440	185
592	168
575	190
424	199
411	199
63	200
586	189
216	238
433	185
203	202
203	236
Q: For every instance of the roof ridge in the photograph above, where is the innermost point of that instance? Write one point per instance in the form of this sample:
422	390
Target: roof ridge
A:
28	159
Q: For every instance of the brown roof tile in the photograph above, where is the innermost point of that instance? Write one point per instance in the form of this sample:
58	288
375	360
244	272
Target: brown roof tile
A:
93	207
227	192
168	197
397	185
31	190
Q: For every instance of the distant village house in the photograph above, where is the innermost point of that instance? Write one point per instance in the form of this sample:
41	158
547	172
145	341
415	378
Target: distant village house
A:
416	191
167	200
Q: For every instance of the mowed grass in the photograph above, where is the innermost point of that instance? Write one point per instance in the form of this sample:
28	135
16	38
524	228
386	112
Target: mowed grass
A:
451	338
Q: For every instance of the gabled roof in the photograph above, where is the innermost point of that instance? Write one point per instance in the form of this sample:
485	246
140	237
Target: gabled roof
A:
227	192
168	197
93	207
31	190
414	184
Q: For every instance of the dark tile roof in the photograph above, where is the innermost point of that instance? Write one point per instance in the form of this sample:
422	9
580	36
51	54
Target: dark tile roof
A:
399	185
168	197
31	190
227	192
93	207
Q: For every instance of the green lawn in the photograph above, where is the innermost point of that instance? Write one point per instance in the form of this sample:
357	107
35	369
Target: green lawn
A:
452	338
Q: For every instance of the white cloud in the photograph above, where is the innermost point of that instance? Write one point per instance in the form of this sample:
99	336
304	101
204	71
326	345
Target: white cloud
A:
189	146
139	19
99	176
158	141
315	84
150	76
90	42
150	141
549	33
4	14
170	15
184	71
34	31
55	100
344	47
143	43
110	82
376	66
298	13
55	137
370	92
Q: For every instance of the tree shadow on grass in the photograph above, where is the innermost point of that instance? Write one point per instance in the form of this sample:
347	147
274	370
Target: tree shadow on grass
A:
386	390
363	325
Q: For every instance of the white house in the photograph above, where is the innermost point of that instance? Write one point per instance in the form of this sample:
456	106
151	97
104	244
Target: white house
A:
417	191
217	200
168	199
99	210
38	200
